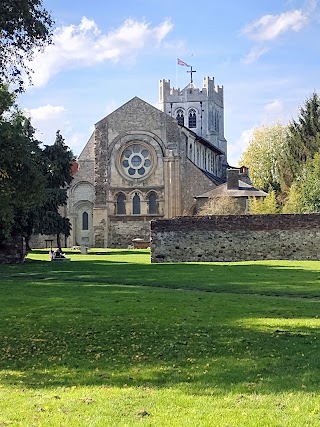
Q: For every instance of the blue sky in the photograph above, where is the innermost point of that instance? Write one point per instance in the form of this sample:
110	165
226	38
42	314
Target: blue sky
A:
266	54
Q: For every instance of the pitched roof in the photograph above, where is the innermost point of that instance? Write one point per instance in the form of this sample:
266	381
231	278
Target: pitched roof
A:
244	190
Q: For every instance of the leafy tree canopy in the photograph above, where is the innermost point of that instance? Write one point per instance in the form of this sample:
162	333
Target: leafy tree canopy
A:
21	180
262	155
25	27
264	205
308	185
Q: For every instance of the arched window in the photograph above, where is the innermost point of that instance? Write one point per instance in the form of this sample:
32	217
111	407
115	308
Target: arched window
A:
192	119
152	204
216	121
180	117
121	205
85	221
136	204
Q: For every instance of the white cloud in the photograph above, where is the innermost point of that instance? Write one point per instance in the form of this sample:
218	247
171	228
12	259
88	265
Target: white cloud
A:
47	120
269	27
45	112
84	45
235	150
255	54
274	107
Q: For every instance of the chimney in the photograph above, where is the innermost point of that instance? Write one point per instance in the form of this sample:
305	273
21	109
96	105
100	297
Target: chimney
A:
244	175
233	179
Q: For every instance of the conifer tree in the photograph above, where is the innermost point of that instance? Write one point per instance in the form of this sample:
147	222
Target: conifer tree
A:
303	141
49	219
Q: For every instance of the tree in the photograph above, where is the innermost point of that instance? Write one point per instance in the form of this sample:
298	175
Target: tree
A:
25	27
264	205
309	181
262	155
48	218
223	205
293	203
21	180
303	141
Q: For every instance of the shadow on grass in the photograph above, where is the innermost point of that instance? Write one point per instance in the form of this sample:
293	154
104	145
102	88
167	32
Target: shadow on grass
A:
94	252
279	279
205	327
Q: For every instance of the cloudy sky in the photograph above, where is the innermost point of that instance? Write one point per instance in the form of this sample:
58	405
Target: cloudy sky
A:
265	53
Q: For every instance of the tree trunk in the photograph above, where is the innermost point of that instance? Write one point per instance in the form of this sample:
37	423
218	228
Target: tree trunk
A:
58	241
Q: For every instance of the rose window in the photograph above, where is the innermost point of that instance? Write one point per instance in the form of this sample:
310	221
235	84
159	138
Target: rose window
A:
136	160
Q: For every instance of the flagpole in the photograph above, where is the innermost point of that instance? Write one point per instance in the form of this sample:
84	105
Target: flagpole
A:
177	73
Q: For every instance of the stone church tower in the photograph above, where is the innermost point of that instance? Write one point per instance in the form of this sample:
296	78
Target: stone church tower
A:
143	163
199	110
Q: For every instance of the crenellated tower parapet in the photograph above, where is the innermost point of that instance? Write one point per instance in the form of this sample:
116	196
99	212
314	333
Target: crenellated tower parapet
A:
201	110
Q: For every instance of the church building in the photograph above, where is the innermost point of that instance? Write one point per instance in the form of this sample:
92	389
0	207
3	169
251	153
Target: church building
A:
142	162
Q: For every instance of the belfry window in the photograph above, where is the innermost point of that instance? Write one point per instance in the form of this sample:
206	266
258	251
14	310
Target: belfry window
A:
152	204
216	121
136	204
192	119
180	117
121	207
85	221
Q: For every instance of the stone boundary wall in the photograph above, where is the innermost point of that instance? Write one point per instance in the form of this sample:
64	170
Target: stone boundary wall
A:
236	238
13	251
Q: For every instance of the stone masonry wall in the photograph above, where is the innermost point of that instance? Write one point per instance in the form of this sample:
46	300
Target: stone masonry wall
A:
122	232
236	238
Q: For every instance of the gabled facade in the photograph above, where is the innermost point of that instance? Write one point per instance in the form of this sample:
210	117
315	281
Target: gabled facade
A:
142	163
139	164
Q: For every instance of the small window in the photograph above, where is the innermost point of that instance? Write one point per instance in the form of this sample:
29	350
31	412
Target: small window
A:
136	204
121	207
180	117
153	204
85	221
192	119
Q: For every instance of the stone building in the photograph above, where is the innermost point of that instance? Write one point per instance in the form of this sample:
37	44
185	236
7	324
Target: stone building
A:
143	163
238	186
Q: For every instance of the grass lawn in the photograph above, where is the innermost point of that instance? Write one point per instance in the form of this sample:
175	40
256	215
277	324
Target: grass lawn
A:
109	339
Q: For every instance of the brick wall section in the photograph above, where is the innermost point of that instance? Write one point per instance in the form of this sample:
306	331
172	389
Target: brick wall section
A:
12	251
236	238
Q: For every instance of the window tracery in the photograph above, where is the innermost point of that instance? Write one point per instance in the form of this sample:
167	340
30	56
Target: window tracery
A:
192	118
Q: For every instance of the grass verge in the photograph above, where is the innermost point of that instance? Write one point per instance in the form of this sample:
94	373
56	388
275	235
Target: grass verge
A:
109	339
